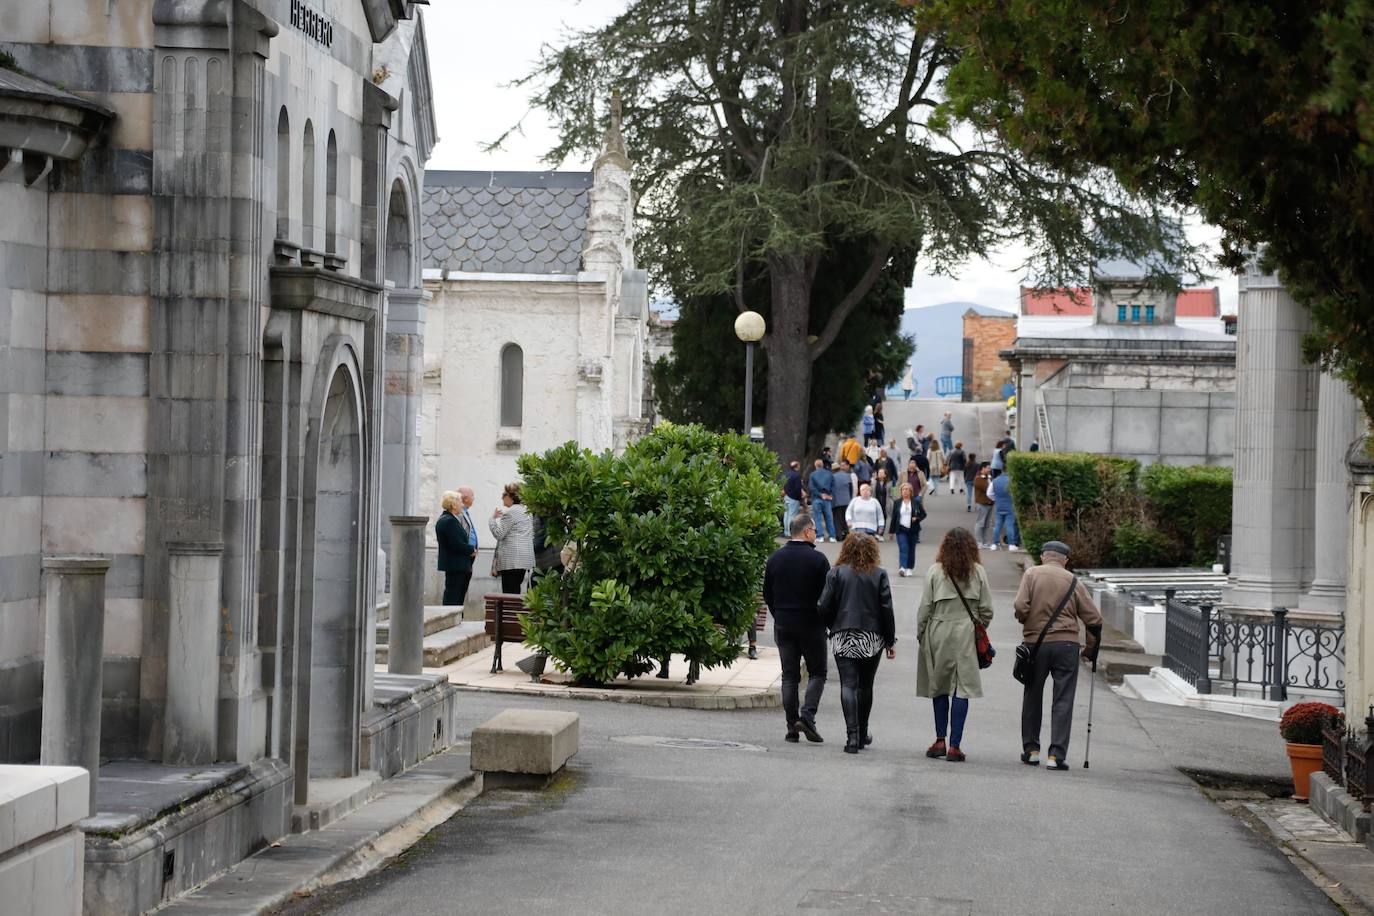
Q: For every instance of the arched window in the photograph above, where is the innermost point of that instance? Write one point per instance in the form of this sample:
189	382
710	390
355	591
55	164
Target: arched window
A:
331	194
308	189
283	176
512	385
398	237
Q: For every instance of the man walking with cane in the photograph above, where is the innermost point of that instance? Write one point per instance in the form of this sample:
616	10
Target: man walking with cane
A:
1050	605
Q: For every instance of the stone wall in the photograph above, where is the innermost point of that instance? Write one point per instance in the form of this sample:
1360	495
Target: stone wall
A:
990	335
1174	427
41	850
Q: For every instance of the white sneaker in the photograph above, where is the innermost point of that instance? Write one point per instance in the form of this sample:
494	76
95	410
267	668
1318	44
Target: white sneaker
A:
992	547
1013	548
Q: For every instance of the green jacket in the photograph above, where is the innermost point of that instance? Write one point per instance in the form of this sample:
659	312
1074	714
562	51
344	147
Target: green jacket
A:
948	660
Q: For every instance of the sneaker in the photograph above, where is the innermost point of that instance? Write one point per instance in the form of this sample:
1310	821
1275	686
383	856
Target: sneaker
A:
791	737
753	652
937	749
1031	758
809	730
1054	763
954	755
1013	548
868	739
992	547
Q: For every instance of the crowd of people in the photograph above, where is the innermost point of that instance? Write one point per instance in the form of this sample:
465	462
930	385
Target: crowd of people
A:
847	612
869	489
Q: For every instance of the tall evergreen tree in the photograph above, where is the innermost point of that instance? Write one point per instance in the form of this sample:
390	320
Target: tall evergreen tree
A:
766	131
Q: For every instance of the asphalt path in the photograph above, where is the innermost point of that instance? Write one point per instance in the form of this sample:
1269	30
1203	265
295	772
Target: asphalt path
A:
635	826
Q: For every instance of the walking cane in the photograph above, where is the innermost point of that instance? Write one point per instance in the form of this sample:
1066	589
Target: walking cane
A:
1097	647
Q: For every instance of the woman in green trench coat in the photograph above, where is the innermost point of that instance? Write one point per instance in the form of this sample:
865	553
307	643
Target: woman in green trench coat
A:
947	670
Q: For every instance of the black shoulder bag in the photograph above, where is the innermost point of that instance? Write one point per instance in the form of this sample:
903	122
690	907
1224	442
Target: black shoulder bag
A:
1024	666
981	643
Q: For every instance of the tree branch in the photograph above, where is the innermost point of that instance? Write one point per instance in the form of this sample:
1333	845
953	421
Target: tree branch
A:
835	323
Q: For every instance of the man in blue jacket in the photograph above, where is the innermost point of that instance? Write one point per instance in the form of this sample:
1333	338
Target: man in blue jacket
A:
821	486
1006	514
792	585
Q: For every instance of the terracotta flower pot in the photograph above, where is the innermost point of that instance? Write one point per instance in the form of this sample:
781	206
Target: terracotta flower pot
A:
1305	759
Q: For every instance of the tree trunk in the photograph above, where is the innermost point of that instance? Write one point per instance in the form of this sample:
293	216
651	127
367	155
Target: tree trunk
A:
789	359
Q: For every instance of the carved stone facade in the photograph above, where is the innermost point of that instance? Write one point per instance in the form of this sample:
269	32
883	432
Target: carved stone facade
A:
207	304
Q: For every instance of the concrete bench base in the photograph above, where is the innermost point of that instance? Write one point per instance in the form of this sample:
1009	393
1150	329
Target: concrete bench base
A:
523	747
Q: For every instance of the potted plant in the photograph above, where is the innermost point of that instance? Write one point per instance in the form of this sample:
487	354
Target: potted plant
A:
1301	726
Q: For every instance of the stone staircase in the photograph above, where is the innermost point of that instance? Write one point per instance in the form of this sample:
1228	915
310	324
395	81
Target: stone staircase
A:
448	637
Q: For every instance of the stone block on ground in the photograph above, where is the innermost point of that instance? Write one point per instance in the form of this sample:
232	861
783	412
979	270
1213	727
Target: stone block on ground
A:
523	745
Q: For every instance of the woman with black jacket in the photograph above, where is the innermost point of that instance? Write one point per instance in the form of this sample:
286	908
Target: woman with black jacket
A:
856	606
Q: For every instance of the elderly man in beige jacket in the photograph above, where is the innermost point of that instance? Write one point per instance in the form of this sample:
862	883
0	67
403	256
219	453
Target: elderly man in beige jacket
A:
1050	605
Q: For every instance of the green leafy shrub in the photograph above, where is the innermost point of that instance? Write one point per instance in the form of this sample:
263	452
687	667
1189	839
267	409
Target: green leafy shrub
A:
1193	504
671	539
1112	514
1141	545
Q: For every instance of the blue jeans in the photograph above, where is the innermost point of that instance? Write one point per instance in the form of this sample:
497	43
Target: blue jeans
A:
906	548
1008	520
790	508
944	705
823	512
947	443
968	492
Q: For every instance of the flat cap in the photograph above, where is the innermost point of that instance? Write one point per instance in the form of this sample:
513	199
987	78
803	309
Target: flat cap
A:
1055	547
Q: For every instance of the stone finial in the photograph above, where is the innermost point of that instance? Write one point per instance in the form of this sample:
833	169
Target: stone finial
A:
613	141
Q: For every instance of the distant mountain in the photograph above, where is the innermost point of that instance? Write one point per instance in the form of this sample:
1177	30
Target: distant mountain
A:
939	334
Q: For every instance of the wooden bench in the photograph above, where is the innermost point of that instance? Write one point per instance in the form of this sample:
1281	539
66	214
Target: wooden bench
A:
503	622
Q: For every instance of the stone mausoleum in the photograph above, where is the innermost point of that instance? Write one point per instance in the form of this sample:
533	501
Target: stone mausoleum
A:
209	298
1122	368
539	327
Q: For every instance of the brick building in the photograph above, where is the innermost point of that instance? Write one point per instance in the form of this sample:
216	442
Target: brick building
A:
985	372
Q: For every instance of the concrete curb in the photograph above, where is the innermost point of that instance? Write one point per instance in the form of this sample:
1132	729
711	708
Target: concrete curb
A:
767	699
1335	804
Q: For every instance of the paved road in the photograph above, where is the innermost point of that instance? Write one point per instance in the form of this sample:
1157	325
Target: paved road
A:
638	828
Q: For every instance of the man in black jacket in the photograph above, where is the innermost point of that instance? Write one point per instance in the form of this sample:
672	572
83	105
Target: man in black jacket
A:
792	585
456	538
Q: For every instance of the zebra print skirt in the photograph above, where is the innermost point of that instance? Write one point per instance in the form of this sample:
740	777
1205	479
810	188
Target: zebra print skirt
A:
855	643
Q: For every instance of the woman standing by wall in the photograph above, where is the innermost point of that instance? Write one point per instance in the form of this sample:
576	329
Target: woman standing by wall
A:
956	593
856	606
513	529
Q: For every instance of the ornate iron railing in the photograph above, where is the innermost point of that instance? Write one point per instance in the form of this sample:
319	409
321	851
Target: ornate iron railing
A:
1333	749
1270	651
1185	641
1359	747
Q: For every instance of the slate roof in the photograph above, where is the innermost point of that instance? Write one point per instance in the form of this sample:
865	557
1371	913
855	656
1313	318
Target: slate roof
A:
505	222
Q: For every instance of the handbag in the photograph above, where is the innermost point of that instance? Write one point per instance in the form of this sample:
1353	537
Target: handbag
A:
1024	665
982	644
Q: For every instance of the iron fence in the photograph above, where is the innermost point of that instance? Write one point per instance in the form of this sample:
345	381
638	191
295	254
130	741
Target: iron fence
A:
1358	748
1269	651
1333	749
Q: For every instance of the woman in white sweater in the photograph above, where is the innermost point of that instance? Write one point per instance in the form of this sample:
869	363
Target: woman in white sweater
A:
865	513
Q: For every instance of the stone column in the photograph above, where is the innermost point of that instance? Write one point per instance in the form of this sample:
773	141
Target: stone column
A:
191	723
403	380
1275	419
72	650
405	652
1337	413
1359	613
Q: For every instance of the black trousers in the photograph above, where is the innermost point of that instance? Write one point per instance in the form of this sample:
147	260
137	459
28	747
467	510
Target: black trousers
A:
841	526
1057	660
512	580
856	694
795	644
456	586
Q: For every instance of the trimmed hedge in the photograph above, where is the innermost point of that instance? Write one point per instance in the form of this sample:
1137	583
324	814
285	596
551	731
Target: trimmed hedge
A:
1112	514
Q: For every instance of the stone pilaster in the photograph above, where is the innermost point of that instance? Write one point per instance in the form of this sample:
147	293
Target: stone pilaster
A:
1337	413
402	384
1359	592
1272	498
405	652
191	723
72	649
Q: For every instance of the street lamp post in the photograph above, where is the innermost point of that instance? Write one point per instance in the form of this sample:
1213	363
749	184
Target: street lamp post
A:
750	328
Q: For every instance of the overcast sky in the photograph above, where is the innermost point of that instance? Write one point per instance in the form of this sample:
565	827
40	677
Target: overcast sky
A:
476	48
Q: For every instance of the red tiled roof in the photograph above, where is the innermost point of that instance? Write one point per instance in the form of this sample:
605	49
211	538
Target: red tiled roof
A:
1192	303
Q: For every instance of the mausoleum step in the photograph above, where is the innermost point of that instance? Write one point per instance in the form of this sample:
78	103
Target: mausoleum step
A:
448	645
437	618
